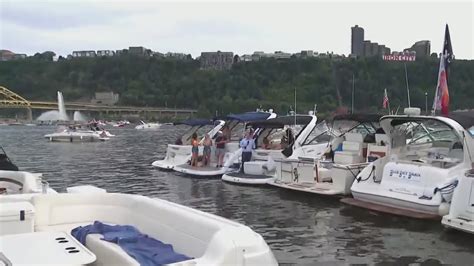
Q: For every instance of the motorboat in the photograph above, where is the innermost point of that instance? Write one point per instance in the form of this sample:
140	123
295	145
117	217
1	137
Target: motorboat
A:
147	126
427	156
234	128
73	134
340	153
275	139
88	225
461	211
18	185
5	162
179	152
120	123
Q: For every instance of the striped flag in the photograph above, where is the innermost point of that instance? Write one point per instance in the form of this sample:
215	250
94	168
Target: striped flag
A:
441	100
385	102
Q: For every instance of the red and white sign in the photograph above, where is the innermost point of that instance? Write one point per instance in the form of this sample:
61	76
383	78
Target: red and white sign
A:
390	57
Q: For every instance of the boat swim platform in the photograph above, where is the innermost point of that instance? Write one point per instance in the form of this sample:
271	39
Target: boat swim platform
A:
390	210
200	171
248	176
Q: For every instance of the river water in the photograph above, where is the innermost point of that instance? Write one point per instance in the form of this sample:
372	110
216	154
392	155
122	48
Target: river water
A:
300	228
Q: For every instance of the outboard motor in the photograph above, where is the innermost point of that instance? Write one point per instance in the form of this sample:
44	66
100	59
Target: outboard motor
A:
5	162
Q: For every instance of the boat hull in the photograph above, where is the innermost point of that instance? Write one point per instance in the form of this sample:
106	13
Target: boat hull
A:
241	178
75	137
395	206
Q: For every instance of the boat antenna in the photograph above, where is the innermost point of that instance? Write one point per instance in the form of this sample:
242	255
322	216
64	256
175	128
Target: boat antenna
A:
295	107
408	88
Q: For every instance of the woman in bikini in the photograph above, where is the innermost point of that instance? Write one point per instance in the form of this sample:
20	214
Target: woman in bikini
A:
207	150
194	150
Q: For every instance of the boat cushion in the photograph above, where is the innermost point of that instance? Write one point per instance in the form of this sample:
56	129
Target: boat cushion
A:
347	157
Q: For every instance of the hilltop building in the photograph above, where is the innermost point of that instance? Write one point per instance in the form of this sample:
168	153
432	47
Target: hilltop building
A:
84	54
365	48
7	55
216	60
105	98
105	53
421	48
357	41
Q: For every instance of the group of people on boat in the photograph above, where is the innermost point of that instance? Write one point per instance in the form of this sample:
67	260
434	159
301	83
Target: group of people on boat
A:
223	136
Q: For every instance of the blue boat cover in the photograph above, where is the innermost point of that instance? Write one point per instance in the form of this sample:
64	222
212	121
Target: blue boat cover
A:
250	116
144	249
195	122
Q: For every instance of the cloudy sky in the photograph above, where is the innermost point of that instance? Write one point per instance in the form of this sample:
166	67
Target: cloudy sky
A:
28	26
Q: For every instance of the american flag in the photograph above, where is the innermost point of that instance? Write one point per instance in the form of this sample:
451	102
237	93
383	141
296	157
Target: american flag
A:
441	100
385	102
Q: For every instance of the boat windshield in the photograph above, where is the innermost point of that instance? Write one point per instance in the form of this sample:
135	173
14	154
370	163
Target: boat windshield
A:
319	134
427	141
199	130
340	127
278	138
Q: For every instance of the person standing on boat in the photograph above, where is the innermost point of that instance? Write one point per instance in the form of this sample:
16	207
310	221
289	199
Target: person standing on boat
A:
247	144
220	148
194	149
207	143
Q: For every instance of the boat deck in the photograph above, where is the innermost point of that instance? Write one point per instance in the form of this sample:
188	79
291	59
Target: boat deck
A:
247	176
199	168
390	210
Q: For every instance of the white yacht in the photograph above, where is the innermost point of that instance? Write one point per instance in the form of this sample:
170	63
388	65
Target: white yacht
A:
461	211
179	152
234	127
87	225
427	155
338	155
77	135
275	140
147	126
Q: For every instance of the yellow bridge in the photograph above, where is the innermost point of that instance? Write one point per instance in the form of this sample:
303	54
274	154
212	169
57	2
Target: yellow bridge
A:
9	99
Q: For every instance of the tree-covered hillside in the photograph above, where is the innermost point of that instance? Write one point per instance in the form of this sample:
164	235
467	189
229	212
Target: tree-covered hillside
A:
268	83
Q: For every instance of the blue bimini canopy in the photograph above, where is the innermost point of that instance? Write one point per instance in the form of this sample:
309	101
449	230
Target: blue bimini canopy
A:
250	116
195	122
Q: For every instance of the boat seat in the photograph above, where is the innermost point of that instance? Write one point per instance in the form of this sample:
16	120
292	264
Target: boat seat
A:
324	174
108	253
351	153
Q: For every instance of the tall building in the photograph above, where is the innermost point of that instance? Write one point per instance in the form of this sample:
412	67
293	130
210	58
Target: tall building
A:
357	41
422	48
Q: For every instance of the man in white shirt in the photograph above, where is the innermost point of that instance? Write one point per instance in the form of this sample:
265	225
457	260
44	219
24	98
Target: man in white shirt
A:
247	144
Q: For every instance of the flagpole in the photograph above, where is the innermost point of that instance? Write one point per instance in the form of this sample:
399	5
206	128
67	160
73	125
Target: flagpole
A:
295	106
388	102
408	88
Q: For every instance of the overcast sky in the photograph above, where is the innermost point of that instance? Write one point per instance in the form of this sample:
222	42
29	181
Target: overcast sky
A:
240	27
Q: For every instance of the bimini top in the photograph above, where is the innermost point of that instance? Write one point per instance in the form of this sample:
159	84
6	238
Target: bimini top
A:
195	122
250	116
282	121
361	118
465	119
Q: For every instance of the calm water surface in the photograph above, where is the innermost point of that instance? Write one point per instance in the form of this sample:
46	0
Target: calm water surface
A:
300	228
